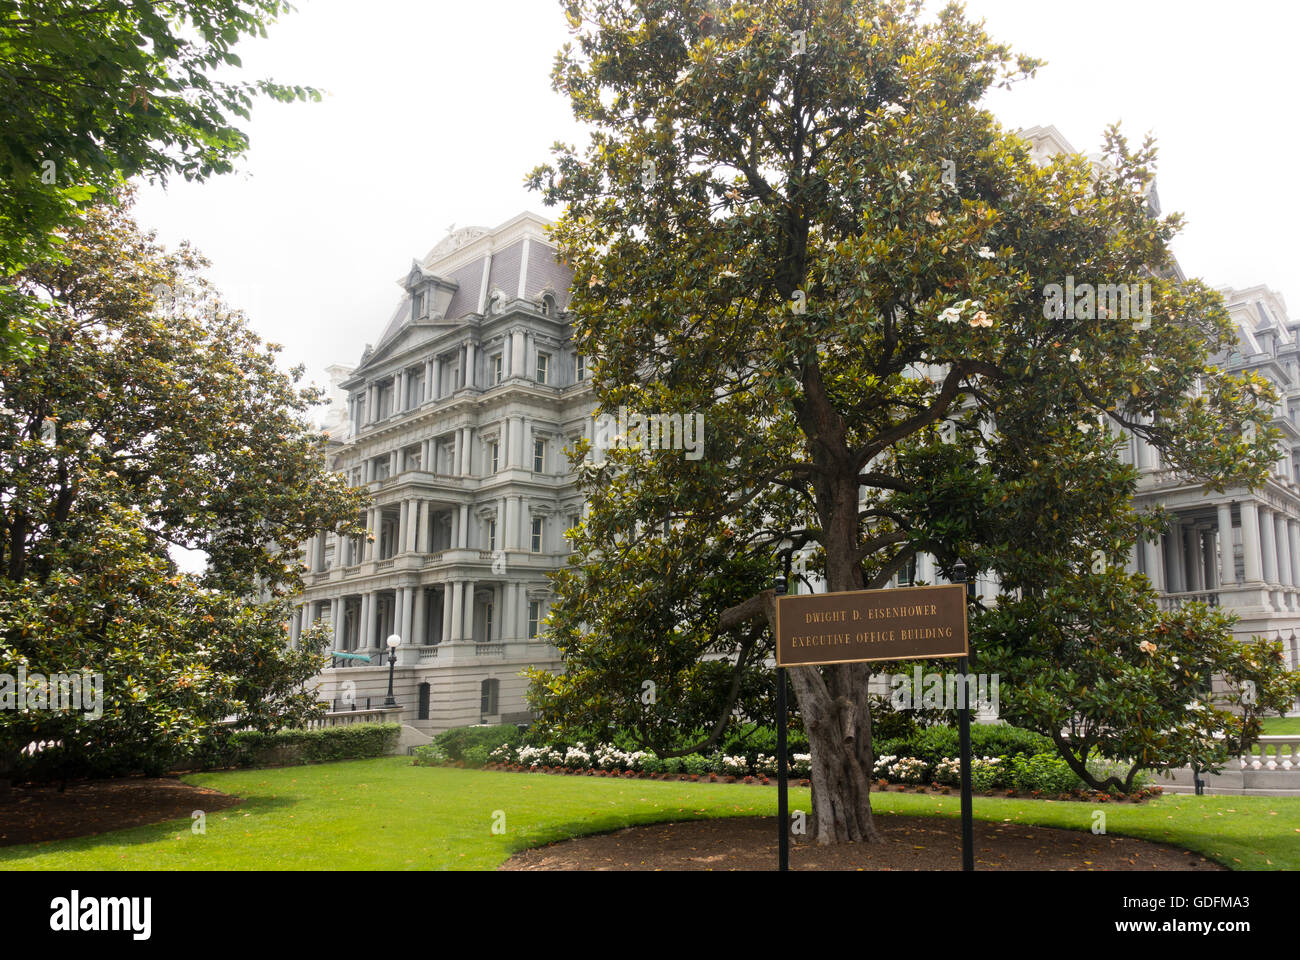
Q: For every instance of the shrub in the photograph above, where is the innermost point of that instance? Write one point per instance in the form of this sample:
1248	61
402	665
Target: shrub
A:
249	748
695	763
477	755
1047	772
456	742
429	755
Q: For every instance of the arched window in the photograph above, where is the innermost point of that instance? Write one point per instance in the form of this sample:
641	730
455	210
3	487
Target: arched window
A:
548	305
423	702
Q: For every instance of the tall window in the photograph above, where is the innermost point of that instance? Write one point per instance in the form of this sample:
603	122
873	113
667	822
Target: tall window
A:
498	369
543	367
488	691
487	621
494	456
422	704
534	616
539	456
582	368
492	534
537	535
417	305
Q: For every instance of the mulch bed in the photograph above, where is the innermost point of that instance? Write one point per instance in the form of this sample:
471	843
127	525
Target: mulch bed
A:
37	814
911	843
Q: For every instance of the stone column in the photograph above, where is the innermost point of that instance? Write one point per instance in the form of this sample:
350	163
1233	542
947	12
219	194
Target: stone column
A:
462	531
419	628
371	548
1293	538
399	391
1227	566
336	614
1283	551
510	528
1250	541
518	361
1153	557
447	609
422	526
471	358
408	614
436	390
1267	546
1174	552
509	615
428	381
467	631
295	626
457	610
367	621
507	357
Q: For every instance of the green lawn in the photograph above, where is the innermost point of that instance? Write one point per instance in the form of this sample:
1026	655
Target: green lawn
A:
1281	726
386	814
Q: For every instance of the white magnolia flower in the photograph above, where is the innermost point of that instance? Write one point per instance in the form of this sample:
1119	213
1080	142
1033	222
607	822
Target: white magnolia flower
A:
1076	356
894	110
951	315
906	178
986	254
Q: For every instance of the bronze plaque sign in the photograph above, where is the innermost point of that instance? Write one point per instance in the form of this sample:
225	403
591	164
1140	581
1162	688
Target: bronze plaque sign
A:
903	623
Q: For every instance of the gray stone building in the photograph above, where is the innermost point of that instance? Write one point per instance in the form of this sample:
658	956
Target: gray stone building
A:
457	421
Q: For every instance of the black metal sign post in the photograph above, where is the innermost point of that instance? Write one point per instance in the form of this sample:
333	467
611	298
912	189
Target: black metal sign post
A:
782	783
782	777
963	715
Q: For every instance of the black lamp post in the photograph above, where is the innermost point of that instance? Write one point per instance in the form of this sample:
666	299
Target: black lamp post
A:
782	770
393	643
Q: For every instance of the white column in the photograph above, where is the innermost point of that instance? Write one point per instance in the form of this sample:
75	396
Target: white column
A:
1267	546
428	381
408	614
436	390
1283	551
509	533
419	629
467	631
413	524
463	531
1154	560
1293	537
509	626
517	358
507	357
1227	567
471	365
422	526
1174	551
295	626
447	610
457	616
367	620
336	613
1250	541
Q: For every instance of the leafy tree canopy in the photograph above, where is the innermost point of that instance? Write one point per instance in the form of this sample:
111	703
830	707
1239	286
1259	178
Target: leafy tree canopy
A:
796	219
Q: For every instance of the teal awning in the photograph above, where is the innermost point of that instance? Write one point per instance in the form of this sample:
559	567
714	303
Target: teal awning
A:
350	656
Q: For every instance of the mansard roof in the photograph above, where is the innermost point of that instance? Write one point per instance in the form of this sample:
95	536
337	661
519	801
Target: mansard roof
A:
515	260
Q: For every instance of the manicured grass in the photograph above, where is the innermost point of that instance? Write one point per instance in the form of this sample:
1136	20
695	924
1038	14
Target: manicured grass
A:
386	814
1281	726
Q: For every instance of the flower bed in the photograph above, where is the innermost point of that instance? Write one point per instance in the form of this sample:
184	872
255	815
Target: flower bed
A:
1043	775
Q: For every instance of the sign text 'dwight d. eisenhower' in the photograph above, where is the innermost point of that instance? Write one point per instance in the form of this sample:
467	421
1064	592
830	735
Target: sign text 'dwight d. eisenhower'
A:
910	623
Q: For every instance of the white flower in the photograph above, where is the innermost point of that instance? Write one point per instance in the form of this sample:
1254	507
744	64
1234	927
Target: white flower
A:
894	110
985	253
1076	356
905	177
951	315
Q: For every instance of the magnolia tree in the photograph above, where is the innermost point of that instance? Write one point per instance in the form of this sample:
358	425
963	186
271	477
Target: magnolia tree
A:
795	219
152	419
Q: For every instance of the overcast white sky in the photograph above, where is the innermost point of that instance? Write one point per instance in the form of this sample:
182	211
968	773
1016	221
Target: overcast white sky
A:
437	109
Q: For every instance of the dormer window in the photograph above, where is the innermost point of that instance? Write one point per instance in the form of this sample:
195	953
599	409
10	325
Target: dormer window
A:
418	302
548	305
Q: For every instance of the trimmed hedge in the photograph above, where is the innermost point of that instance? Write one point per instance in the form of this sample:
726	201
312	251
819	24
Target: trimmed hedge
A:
248	748
933	744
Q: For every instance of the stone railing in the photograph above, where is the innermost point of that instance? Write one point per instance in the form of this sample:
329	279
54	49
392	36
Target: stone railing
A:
1172	601
489	649
425	654
344	718
1274	753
